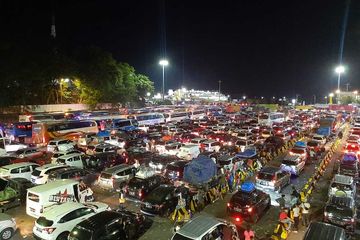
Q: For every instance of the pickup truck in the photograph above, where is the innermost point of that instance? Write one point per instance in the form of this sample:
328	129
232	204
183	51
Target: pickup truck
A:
13	192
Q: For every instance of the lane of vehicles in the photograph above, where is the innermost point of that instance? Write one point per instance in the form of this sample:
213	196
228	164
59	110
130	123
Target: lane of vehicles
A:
138	165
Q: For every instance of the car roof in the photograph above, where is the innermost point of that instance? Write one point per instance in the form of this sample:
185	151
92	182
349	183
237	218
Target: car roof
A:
117	168
49	166
67	156
98	220
22	164
198	226
320	230
59	210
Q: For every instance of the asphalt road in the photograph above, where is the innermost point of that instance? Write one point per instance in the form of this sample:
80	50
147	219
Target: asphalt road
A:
161	228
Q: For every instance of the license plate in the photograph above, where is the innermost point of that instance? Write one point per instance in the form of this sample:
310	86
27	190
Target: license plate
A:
148	205
38	229
132	193
237	209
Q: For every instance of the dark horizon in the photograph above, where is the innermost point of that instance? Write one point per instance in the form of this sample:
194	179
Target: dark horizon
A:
257	48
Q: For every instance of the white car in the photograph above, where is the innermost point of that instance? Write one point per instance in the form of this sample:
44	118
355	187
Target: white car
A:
18	170
62	145
40	175
57	222
28	153
7	226
319	138
14	146
118	142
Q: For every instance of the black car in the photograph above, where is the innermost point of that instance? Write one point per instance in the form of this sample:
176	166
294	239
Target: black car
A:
248	203
341	211
161	201
175	170
100	161
109	225
349	169
138	188
273	143
320	230
73	173
159	162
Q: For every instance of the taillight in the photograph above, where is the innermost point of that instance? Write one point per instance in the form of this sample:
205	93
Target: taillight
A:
237	219
178	174
49	230
140	193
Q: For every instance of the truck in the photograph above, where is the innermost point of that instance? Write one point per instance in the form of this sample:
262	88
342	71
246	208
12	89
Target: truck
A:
327	126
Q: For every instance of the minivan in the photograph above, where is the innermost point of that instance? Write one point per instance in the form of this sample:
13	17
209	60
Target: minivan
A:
189	151
73	159
18	170
40	175
113	178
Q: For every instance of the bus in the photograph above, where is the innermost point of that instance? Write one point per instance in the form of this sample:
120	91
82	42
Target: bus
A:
19	131
42	133
269	119
176	116
148	119
197	114
124	124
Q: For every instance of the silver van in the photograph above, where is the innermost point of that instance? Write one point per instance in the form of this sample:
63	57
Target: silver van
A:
112	178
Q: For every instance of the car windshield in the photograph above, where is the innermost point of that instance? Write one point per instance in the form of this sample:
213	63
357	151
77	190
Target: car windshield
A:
241	143
265	176
172	167
339	211
312	144
36	173
297	150
318	138
340	186
105	175
178	236
80	233
156	196
3	184
244	198
290	163
263	117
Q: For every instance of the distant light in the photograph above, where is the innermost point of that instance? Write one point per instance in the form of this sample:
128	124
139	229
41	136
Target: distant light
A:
244	97
183	89
65	80
273	97
170	92
293	101
262	97
337	91
325	97
148	94
331	95
340	69
356	92
164	62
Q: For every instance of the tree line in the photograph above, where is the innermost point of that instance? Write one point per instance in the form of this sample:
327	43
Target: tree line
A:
42	74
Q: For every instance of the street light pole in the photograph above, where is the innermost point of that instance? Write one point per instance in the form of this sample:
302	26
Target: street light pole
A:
219	89
163	63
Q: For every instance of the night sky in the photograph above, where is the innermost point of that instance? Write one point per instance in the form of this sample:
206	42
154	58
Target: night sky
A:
262	48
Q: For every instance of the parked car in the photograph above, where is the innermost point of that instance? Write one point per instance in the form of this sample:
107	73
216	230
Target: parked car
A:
161	201
74	173
342	185
248	203
18	170
272	179
174	171
320	230
40	174
139	187
28	153
7	226
57	222
109	225
100	161
341	211
115	177
62	145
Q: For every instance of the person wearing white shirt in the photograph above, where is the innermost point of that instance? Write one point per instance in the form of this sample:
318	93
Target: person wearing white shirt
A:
305	210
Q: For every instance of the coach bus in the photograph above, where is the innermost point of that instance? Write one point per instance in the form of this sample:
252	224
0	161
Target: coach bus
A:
148	119
19	131
269	119
43	132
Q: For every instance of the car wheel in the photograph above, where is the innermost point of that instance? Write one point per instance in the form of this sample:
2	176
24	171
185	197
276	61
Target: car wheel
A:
7	233
63	236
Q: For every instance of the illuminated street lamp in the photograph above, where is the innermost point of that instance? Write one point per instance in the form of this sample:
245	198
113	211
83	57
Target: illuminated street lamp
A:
339	70
244	97
163	63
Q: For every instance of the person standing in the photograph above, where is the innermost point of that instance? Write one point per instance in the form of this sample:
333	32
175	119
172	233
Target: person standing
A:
296	214
249	233
305	211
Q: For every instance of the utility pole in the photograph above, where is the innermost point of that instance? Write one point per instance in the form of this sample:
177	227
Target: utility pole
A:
347	86
219	89
314	98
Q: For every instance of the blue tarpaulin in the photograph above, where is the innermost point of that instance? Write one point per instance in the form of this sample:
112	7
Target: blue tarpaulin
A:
103	134
300	144
200	170
325	131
